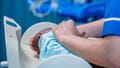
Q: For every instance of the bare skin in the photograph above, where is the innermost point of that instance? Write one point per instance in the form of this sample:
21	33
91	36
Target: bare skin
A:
101	51
34	40
92	29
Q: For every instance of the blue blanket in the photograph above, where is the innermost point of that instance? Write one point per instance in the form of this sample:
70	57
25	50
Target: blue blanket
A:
49	46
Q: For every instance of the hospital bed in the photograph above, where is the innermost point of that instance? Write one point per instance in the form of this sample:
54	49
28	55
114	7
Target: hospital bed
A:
20	55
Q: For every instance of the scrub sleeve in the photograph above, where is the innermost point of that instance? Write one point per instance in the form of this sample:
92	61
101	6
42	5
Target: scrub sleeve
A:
112	18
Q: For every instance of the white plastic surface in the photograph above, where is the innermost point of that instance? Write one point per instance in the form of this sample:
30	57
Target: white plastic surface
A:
35	29
32	61
12	38
64	61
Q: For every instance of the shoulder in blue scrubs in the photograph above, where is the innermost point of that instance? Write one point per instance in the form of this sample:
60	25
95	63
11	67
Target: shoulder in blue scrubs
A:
112	18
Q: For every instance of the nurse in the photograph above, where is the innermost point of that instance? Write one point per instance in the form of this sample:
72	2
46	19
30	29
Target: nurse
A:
104	51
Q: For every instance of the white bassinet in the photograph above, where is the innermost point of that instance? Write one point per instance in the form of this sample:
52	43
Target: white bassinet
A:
20	55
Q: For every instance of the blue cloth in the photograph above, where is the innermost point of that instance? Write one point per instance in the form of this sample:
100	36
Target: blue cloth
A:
82	11
49	46
112	10
73	10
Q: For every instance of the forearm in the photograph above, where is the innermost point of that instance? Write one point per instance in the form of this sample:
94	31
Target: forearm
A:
92	50
93	29
101	51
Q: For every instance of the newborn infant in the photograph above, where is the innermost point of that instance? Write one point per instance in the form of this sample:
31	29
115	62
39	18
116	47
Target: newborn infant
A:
46	45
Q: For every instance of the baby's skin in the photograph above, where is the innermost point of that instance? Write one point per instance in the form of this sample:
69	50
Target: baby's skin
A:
34	40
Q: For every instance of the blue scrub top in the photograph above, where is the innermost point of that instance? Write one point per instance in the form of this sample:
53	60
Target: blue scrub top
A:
112	18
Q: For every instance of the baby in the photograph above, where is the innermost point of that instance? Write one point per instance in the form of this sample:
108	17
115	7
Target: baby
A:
34	40
46	45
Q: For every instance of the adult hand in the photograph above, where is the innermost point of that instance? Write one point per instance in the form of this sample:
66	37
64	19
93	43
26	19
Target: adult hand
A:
65	29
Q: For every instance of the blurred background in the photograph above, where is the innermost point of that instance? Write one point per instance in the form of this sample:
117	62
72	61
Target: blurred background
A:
29	12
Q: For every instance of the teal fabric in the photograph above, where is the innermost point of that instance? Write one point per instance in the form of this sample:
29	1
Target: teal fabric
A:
50	47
